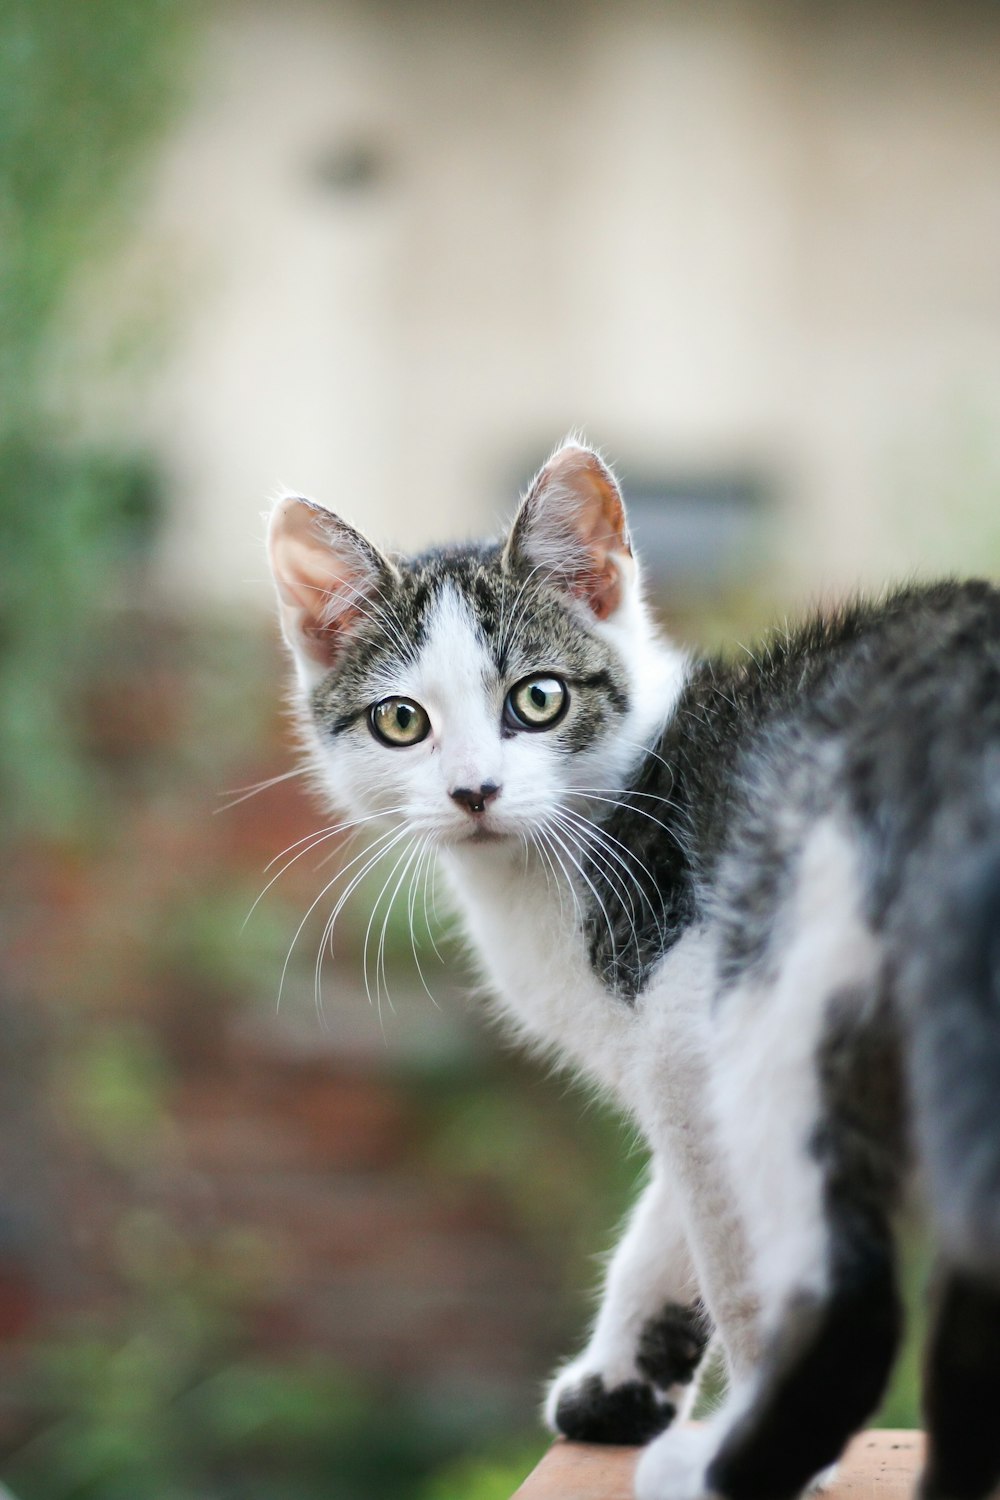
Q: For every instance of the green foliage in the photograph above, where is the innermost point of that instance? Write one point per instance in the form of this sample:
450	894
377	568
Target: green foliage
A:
218	943
83	89
174	1410
168	1399
901	1407
486	1477
115	1087
65	523
568	1169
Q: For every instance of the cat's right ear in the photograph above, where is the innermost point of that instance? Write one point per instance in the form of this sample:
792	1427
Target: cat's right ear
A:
324	571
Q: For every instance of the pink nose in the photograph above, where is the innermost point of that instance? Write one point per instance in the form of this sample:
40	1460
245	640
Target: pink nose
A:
473	801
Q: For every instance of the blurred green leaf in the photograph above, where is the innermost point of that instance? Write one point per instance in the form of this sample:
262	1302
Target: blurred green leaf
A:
488	1477
116	1084
83	91
265	1405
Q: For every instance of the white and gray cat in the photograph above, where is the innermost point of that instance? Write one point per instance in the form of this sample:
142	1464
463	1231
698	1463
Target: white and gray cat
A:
757	901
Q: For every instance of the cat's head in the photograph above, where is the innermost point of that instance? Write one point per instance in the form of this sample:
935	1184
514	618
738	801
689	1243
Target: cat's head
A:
469	691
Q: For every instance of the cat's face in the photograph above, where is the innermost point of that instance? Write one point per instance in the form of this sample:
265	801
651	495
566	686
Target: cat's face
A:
471	694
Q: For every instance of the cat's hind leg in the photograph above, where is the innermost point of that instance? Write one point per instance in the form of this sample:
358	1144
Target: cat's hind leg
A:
961	1387
807	1095
824	1264
638	1369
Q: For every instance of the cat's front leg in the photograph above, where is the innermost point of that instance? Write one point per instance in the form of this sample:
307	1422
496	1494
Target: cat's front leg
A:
638	1370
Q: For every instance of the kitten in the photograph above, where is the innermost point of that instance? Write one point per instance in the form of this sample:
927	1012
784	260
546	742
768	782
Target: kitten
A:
758	902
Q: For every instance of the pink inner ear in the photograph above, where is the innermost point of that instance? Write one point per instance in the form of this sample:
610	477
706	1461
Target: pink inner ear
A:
600	509
604	533
573	520
321	574
603	591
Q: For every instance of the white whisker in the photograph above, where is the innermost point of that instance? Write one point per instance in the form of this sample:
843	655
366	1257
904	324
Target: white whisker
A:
551	879
391	834
380	954
627	861
427	849
602	832
244	793
311	841
344	827
394	835
653	755
576	827
613	878
314	840
641	812
543	835
593	889
377	1002
428	926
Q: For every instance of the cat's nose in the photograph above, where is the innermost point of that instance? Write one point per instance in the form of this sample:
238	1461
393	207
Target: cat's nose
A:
473	801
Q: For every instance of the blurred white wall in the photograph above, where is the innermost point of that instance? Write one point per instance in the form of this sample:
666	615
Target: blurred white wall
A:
406	246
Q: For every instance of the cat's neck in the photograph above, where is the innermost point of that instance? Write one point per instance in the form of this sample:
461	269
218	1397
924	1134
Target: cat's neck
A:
525	921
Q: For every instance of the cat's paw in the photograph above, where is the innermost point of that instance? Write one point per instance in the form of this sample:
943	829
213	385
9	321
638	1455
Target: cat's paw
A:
593	1408
673	1467
824	1480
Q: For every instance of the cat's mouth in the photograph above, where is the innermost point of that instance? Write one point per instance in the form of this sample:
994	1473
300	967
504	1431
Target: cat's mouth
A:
479	831
481	835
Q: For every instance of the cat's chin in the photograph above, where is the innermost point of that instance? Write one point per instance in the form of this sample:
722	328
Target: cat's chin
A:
478	836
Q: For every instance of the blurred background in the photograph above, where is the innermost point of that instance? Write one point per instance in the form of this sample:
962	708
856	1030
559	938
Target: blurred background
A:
388	253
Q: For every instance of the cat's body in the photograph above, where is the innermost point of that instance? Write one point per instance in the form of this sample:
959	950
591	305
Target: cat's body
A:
754	901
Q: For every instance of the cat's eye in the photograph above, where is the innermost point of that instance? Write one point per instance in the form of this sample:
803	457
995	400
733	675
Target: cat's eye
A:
536	703
399	721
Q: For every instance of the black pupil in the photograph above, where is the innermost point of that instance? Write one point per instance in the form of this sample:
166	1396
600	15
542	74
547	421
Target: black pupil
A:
539	696
403	716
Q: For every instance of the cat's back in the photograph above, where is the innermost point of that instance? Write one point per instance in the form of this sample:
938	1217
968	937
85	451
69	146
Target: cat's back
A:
918	668
869	656
877	714
883	718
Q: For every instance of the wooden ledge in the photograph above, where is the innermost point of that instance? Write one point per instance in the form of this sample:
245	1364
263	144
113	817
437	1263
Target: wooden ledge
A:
881	1464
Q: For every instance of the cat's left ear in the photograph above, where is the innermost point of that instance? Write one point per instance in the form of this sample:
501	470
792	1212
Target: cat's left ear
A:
571	526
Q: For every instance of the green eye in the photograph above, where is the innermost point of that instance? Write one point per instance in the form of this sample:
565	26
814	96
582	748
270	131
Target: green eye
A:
536	703
399	721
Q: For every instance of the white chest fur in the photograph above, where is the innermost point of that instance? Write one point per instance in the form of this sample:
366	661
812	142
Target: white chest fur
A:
527	934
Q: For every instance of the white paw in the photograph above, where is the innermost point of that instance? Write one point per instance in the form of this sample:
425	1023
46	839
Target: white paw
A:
570	1378
673	1466
592	1407
823	1480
